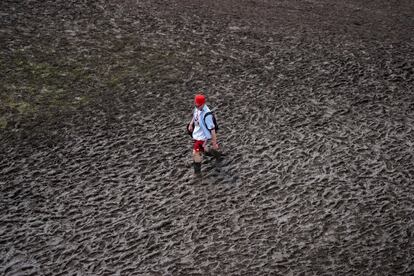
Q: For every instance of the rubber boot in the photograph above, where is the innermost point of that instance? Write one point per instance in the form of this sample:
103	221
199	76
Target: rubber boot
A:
215	153
197	168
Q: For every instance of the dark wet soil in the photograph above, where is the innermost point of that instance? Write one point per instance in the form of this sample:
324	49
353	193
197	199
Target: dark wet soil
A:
316	107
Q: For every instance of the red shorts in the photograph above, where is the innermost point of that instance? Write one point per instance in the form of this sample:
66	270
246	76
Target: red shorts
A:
198	145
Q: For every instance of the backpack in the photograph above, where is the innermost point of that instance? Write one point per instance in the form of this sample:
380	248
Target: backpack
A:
216	127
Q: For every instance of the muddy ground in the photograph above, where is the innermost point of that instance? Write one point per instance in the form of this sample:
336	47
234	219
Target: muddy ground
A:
316	108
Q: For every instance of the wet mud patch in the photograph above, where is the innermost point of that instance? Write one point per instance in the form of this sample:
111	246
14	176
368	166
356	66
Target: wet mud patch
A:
317	124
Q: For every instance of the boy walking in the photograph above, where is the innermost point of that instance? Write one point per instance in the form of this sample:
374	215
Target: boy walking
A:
203	129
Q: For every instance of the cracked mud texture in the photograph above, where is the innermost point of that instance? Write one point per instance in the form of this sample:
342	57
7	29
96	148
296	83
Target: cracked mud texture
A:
316	106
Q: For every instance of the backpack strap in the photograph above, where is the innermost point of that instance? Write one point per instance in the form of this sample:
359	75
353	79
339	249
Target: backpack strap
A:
205	115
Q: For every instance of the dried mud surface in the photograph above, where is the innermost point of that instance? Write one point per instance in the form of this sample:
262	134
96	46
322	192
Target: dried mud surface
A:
316	106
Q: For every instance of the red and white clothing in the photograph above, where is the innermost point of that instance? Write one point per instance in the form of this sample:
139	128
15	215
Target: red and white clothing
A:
202	127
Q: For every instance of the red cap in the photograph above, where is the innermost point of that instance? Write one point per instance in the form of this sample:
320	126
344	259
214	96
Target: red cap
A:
199	100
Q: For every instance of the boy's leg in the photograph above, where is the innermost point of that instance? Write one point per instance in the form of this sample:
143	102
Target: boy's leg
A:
197	156
197	162
211	152
198	149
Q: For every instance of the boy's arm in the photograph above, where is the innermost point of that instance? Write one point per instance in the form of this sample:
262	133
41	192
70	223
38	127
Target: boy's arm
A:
214	139
190	126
